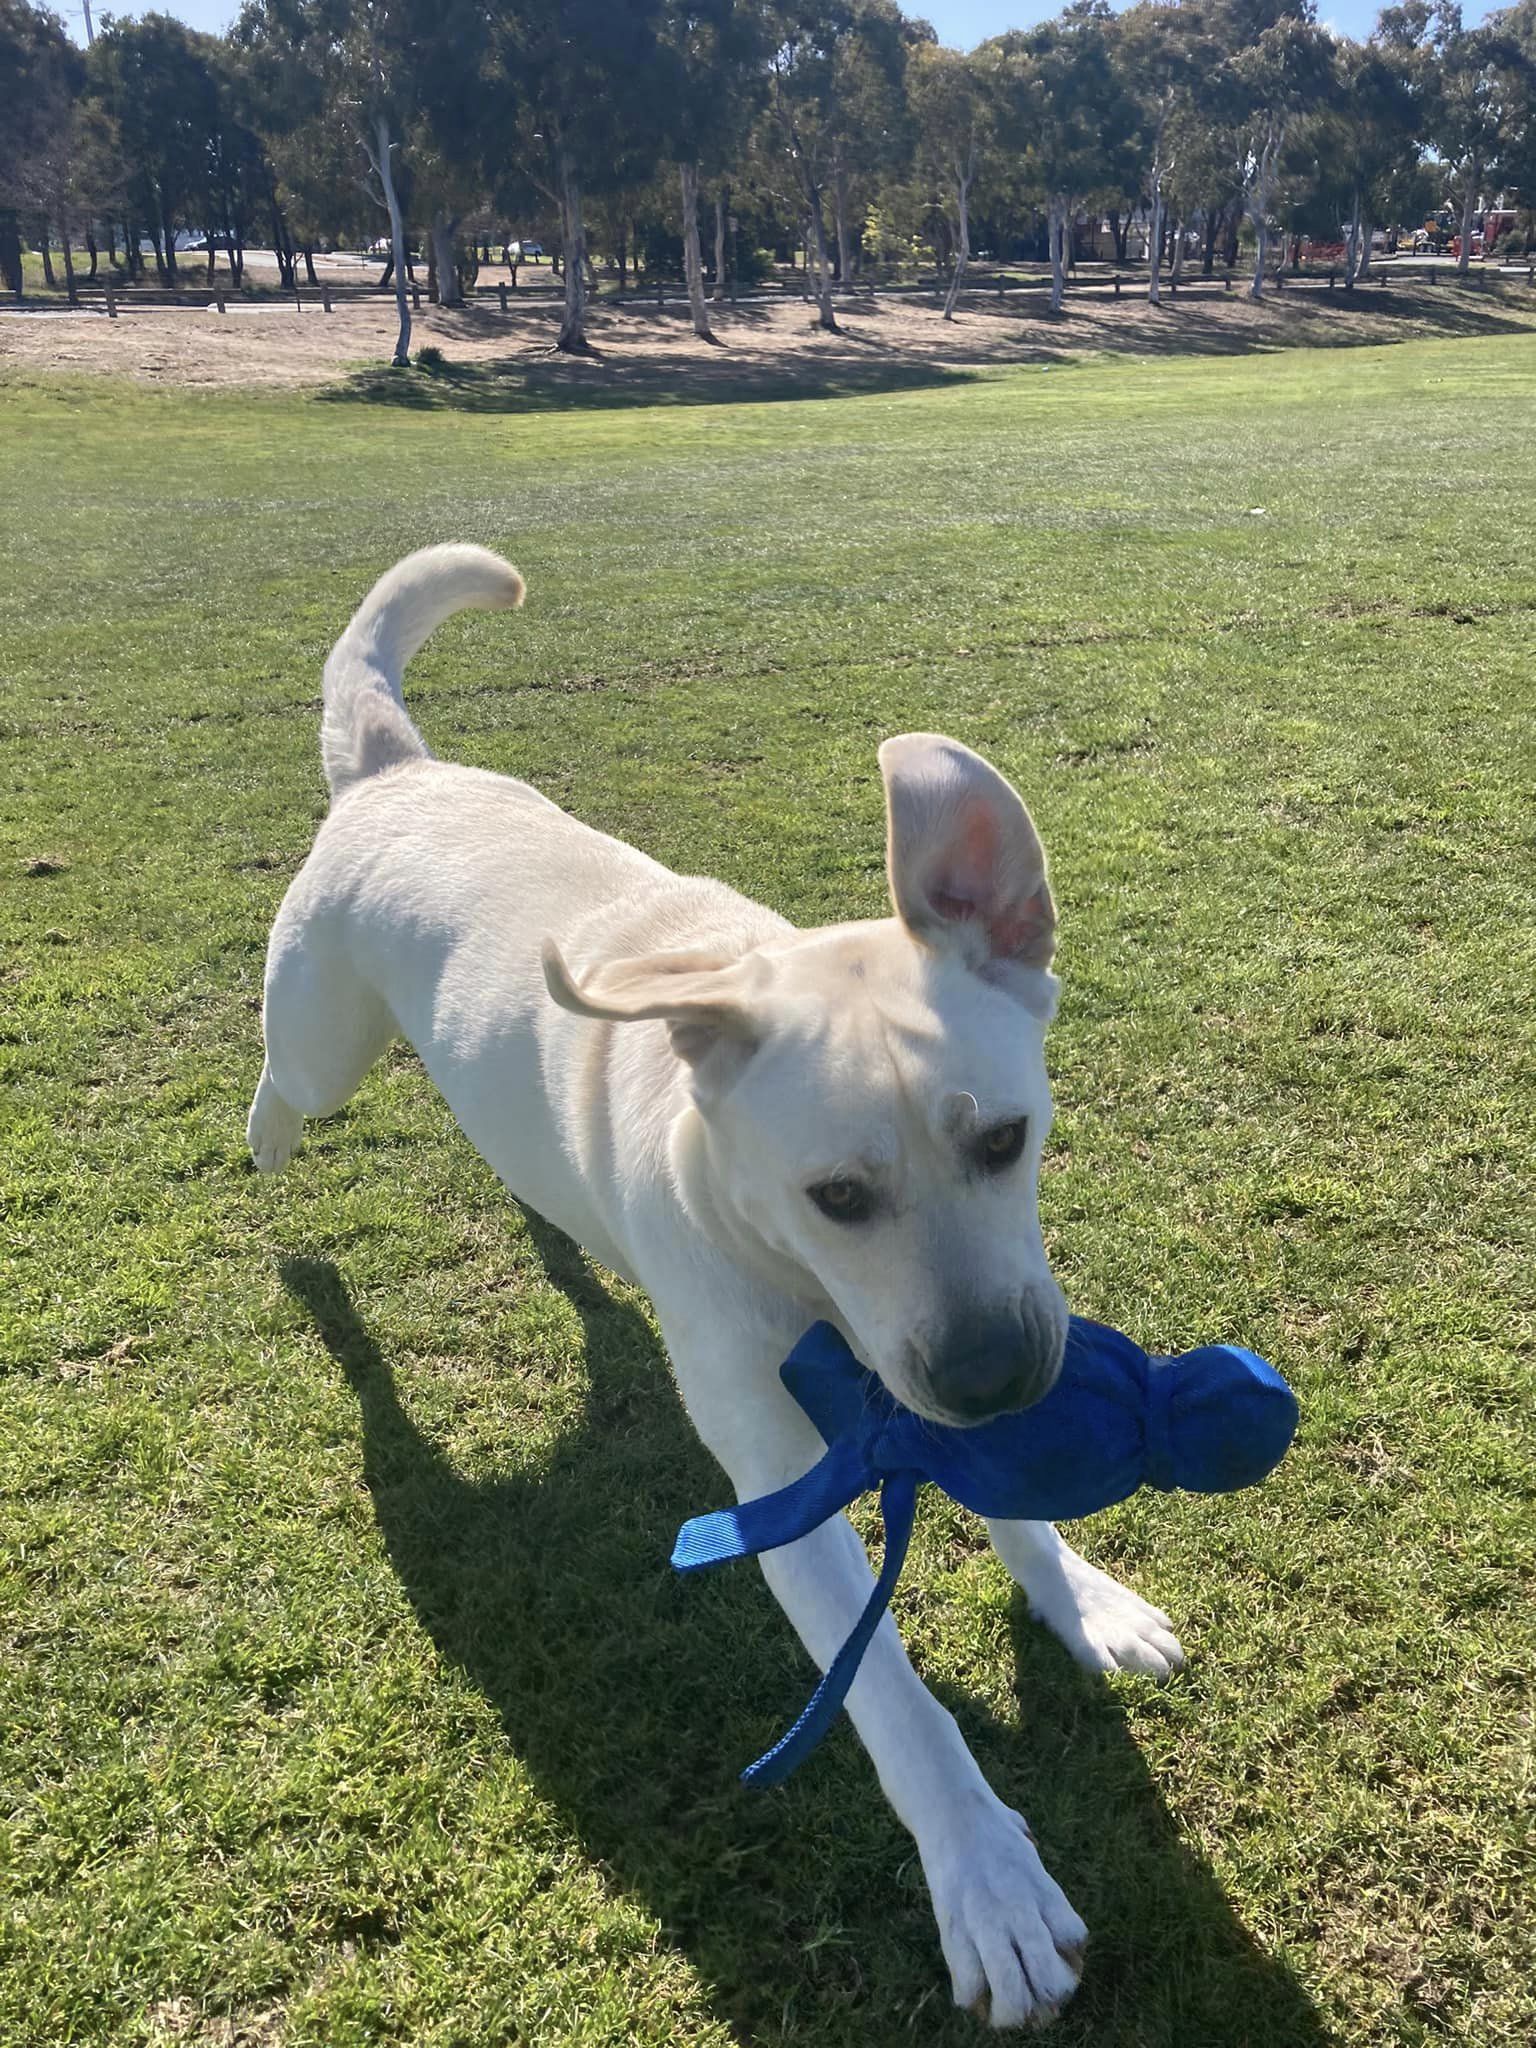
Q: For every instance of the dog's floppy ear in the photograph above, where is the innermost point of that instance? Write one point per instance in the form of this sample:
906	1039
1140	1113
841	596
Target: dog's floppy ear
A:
701	996
964	860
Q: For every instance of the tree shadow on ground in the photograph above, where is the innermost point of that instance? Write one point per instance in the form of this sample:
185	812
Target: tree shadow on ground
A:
649	358
634	1697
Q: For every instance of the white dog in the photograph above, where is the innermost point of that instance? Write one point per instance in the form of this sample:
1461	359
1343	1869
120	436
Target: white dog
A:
760	1126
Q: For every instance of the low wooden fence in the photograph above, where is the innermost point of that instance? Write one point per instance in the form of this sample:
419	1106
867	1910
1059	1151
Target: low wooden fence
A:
111	297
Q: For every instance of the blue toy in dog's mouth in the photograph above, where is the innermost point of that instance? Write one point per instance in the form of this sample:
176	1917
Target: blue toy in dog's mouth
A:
1207	1421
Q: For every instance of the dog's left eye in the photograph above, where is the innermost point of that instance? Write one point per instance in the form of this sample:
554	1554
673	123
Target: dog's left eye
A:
1001	1146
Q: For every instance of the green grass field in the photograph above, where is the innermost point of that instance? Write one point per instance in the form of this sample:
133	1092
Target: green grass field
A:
346	1695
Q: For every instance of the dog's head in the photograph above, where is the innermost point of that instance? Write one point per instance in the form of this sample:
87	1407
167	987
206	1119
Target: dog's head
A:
870	1100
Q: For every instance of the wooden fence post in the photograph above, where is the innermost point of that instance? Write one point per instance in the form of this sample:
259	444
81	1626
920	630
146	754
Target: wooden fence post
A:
1117	284
415	296
325	297
218	298
660	289
1226	282
502	291
111	300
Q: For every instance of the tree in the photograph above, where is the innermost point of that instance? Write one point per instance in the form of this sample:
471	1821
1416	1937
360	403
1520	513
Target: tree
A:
1163	53
549	104
1367	141
353	61
40	77
1064	106
711	57
953	109
153	76
1283	75
1472	100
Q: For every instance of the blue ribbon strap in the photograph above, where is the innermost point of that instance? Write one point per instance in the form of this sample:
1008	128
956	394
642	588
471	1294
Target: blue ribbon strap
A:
898	1507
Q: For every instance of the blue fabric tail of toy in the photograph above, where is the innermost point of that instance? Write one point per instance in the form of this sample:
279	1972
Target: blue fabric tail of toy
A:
783	1517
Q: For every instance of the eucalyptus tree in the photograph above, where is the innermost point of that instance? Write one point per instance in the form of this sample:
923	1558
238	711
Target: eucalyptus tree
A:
1368	140
352	62
153	76
1284	75
1163	52
548	104
953	100
712	55
1472	99
836	117
1064	106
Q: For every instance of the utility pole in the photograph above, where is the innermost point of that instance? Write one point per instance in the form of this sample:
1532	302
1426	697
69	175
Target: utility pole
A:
90	33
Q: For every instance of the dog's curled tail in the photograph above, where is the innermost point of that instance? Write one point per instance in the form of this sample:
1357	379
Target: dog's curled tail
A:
365	727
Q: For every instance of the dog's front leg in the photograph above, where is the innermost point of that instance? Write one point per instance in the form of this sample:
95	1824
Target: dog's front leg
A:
1104	1624
1011	1940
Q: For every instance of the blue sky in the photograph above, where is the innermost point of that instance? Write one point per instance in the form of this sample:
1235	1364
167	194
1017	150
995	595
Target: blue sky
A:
961	22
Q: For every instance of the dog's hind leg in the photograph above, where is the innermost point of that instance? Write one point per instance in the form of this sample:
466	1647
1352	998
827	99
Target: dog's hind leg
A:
1104	1624
324	1028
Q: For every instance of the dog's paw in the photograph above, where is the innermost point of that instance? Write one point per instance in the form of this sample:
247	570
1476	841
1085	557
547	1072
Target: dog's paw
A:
1013	1944
274	1132
1104	1624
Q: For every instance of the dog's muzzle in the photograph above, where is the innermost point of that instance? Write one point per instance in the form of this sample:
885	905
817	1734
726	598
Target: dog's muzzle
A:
996	1362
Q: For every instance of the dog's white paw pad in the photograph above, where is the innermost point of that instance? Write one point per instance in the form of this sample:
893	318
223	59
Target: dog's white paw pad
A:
1012	1942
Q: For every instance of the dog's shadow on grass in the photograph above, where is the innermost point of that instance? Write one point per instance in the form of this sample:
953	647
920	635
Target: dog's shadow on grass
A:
634	1697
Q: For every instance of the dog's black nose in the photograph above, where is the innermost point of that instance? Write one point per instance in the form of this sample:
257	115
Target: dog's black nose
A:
992	1365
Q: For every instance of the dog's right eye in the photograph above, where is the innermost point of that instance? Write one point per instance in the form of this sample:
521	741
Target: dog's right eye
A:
845	1201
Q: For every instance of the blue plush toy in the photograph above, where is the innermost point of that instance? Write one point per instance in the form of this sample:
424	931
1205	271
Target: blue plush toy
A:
1207	1421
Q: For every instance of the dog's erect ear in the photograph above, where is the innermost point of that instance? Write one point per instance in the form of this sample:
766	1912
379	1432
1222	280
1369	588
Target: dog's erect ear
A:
964	860
701	996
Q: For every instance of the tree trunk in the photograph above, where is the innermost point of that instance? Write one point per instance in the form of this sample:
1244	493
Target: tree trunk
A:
1366	232
1056	231
1176	261
623	256
1259	205
69	261
381	155
1352	243
168	234
963	244
816	250
46	253
441	238
1212	227
573	323
1155	238
840	220
1468	208
693	260
10	252
720	199
309	268
91	251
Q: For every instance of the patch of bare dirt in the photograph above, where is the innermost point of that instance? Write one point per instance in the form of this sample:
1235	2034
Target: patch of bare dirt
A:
650	352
